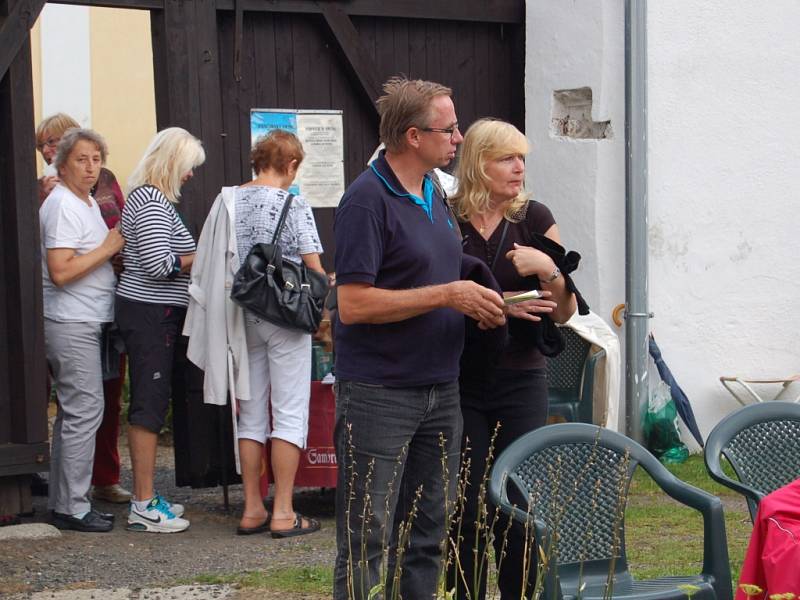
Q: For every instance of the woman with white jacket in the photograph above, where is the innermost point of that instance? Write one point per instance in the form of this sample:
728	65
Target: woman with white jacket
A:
266	364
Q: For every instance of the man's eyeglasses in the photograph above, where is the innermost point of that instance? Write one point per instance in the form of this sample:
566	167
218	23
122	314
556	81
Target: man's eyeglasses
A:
449	131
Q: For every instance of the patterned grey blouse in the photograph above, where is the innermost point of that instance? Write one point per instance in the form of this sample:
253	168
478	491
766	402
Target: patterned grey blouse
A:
258	209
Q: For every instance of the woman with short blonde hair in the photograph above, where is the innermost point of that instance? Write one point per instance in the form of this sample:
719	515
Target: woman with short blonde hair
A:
151	303
54	125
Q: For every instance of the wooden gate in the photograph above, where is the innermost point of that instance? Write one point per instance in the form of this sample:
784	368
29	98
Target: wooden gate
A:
214	60
325	55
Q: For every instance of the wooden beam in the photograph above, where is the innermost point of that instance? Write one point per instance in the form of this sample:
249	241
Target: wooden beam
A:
485	11
12	456
238	32
23	397
134	4
15	30
359	61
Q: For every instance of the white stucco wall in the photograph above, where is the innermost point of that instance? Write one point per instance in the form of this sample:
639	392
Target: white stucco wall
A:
573	44
724	124
66	75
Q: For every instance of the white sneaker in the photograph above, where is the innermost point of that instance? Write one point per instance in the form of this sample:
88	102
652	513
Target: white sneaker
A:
156	518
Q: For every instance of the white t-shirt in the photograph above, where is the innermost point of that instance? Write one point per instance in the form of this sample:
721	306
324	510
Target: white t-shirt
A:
66	221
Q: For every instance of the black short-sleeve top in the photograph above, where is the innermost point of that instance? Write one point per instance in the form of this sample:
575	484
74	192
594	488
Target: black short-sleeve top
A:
538	219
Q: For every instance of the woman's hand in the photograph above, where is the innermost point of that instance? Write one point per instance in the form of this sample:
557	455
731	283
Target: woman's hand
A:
114	241
530	309
46	185
187	260
530	261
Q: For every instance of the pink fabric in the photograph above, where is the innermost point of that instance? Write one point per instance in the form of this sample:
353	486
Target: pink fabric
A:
109	198
772	561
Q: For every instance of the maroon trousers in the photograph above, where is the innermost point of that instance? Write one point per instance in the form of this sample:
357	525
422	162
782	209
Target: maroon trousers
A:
106	451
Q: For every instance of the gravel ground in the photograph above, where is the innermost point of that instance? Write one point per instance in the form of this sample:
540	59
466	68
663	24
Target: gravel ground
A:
141	560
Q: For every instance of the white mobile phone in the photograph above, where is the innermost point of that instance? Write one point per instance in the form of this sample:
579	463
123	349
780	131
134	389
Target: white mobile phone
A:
532	295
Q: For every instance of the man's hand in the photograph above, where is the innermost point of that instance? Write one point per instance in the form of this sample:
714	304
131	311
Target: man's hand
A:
477	302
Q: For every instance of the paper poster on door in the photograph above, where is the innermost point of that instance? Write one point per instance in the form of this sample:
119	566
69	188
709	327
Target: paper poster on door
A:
321	176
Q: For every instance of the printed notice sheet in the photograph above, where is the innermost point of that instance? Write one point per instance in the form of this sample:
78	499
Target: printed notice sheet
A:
321	176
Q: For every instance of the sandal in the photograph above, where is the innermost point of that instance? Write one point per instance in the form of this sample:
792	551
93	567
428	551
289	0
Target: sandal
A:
297	528
264	527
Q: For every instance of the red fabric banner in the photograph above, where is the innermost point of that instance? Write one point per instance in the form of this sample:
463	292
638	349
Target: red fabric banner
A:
318	460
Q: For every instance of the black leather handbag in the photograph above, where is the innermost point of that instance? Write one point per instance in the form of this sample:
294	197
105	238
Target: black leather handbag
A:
278	290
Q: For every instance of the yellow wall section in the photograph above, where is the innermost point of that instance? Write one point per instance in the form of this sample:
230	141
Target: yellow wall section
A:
123	97
36	65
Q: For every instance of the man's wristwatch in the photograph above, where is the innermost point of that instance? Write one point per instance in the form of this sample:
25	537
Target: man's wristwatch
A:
553	276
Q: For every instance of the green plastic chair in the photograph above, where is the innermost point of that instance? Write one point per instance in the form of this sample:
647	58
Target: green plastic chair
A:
576	477
762	444
570	379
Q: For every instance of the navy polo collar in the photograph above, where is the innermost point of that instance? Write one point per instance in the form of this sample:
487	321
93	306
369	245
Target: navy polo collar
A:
389	180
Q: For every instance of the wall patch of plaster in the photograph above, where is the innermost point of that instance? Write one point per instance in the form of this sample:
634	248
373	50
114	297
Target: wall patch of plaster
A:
572	116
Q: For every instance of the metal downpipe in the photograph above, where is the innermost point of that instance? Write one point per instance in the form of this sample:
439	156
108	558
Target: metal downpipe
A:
636	313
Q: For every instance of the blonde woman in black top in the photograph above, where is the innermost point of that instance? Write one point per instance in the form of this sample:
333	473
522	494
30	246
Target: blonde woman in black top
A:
497	223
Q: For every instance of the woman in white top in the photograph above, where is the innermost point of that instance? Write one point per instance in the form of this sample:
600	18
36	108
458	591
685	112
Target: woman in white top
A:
279	357
78	284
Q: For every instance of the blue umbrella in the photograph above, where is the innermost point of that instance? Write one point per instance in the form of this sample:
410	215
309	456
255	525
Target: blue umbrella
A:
678	395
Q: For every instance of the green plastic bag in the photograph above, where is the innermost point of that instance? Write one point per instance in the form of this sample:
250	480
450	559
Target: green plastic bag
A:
661	433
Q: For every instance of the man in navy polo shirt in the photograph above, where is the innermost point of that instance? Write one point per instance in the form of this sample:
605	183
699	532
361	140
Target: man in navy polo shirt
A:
398	341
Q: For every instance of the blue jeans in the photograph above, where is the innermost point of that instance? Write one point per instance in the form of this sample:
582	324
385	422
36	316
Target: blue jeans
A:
392	447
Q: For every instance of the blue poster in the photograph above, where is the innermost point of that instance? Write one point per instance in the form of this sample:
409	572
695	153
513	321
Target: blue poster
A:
262	122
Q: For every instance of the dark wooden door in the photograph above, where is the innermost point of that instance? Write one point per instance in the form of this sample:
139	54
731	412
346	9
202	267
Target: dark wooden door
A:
331	55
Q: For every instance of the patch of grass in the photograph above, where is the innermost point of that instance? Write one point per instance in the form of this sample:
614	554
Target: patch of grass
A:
693	472
309	580
665	538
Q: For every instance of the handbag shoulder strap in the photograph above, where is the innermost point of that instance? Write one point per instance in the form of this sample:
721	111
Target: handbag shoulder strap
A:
282	219
500	245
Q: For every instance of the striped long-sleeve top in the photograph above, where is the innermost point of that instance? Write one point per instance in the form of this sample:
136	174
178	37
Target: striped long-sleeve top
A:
155	237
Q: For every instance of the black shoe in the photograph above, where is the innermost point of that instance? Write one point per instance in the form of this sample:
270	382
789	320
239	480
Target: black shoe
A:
90	523
104	515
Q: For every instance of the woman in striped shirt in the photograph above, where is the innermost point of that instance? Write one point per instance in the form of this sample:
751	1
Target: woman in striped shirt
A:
152	296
